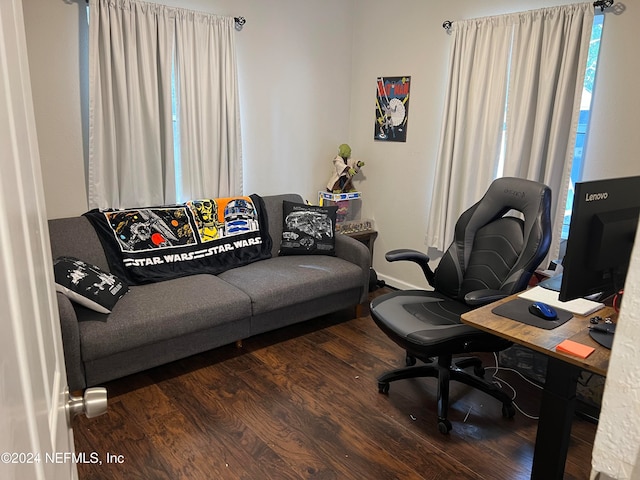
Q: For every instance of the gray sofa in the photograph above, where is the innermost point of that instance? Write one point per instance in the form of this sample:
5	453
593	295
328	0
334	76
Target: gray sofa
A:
157	323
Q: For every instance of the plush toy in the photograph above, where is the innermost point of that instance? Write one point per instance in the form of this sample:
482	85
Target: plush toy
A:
345	168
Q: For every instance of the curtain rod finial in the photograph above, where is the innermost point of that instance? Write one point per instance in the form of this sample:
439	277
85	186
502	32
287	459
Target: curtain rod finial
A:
603	4
240	21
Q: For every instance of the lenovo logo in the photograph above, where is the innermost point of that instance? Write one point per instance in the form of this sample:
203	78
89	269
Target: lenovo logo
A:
594	197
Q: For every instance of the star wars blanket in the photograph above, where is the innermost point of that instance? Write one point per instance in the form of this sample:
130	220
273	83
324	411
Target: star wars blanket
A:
146	245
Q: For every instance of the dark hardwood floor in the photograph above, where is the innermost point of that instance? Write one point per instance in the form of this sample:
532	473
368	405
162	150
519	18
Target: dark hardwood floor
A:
302	402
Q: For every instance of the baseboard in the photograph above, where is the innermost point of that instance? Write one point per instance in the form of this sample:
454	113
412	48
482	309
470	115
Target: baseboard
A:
397	284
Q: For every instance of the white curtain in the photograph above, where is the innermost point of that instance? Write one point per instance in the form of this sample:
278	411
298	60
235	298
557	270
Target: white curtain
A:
537	72
208	112
132	159
473	120
550	50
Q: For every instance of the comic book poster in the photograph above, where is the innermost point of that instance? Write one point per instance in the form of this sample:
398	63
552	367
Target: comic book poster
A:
392	109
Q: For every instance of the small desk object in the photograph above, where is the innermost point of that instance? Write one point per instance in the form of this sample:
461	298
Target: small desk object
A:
559	395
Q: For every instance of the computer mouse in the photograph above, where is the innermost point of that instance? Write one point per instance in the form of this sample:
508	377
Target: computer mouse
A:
542	310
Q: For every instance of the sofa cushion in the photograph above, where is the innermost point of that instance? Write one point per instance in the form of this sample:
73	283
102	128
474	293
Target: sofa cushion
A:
273	204
88	285
76	237
308	229
283	281
152	313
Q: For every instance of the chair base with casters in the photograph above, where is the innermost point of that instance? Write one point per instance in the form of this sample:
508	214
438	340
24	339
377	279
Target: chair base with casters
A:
445	371
444	367
498	243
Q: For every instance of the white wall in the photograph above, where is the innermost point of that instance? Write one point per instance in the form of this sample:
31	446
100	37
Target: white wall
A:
616	450
53	31
294	72
307	79
613	143
407	38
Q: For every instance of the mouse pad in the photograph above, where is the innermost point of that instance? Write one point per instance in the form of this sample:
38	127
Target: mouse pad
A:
518	309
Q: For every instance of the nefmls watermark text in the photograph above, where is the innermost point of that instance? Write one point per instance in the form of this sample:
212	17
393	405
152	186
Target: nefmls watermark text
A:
61	457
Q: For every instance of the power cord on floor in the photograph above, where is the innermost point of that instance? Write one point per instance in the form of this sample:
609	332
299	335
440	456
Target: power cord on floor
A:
501	381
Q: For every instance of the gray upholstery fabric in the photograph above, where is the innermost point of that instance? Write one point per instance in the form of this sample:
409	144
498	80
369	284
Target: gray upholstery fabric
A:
154	355
76	237
357	253
273	205
161	322
281	281
346	247
301	311
160	311
71	342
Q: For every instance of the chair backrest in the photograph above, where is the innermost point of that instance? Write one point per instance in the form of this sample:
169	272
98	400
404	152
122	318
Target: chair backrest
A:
498	242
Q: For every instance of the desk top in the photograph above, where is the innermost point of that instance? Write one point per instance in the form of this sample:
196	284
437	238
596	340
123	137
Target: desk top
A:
545	341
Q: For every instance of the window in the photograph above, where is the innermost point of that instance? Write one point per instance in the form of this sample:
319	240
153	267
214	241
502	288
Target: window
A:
583	122
140	54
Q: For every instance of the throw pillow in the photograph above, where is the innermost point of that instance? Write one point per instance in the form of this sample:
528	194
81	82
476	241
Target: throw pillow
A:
87	285
308	229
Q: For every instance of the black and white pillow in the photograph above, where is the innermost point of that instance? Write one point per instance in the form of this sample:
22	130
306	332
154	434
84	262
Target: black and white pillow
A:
308	229
87	285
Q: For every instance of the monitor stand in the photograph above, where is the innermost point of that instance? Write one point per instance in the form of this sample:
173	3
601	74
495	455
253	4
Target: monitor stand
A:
552	283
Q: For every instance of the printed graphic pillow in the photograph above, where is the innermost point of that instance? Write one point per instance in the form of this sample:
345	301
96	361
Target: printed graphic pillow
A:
88	285
308	229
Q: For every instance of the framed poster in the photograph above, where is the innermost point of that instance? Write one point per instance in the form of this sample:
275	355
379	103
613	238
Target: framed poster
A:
392	109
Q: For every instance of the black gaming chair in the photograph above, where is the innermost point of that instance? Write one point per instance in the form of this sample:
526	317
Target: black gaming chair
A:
493	255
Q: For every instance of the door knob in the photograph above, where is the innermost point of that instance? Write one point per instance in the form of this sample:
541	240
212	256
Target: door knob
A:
93	403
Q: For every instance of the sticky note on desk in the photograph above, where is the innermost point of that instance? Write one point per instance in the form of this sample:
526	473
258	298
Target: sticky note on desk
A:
575	348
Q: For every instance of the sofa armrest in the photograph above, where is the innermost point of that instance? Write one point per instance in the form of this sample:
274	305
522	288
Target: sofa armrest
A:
355	252
71	343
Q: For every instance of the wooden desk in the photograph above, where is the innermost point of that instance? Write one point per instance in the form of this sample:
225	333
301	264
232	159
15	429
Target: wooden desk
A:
558	399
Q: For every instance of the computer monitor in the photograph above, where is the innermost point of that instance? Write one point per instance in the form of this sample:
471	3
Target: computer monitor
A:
601	236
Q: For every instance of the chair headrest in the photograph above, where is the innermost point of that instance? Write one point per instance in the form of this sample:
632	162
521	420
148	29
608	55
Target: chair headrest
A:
509	193
532	199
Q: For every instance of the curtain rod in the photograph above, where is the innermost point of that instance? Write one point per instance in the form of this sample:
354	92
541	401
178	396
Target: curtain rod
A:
598	3
240	21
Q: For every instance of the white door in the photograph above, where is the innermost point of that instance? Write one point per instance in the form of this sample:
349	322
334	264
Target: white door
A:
34	434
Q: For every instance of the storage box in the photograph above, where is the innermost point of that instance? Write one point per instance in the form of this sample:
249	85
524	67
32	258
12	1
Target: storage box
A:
533	365
349	205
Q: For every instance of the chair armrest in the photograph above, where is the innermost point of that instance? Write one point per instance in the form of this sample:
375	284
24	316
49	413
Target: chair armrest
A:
413	256
71	343
357	253
483	297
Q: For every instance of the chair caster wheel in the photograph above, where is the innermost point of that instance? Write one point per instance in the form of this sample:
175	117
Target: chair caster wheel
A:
444	426
508	411
383	387
409	360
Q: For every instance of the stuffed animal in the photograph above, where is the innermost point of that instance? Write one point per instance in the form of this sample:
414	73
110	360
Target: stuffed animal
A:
345	168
